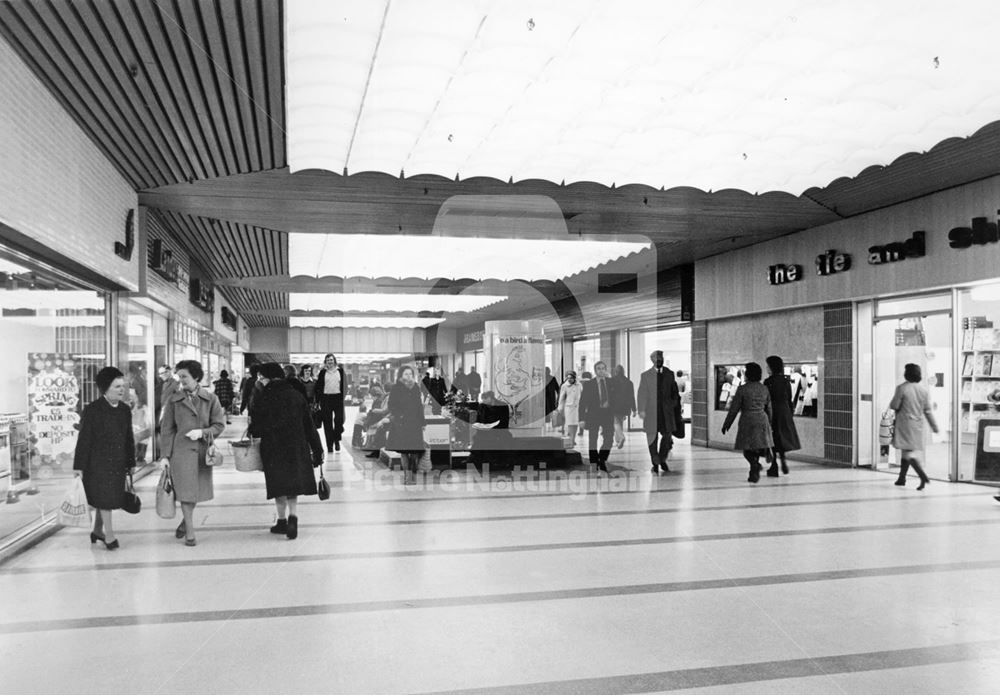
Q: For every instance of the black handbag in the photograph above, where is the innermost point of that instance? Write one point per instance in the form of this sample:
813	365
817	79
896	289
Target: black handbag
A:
317	417
323	487
130	501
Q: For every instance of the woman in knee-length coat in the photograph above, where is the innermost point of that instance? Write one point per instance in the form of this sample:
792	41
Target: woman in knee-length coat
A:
754	433
192	419
289	445
786	437
912	404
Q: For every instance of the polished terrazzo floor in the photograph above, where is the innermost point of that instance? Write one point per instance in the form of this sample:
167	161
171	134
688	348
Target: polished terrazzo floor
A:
829	580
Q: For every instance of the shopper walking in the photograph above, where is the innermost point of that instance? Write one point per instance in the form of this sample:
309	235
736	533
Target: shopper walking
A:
309	382
659	406
331	385
753	435
224	392
912	404
247	388
474	382
105	452
783	432
192	419
406	422
623	404
289	445
569	405
596	415
290	375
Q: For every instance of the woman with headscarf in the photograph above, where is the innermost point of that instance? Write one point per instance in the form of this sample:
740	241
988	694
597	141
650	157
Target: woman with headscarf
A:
753	435
289	445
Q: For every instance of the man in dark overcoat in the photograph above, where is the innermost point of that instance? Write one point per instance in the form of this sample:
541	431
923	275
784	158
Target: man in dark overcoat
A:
659	406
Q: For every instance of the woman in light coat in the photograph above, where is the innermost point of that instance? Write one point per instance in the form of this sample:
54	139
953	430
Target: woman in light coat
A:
912	404
192	419
753	435
569	404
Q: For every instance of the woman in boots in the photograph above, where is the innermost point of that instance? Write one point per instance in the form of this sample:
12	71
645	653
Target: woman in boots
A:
783	431
912	404
753	435
406	422
289	445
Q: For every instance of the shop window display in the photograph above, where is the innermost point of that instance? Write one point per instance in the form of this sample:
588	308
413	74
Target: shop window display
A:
979	379
804	379
55	341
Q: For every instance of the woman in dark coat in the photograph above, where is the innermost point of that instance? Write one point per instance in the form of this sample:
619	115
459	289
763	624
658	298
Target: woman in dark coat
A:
331	385
786	438
406	422
753	435
105	452
289	445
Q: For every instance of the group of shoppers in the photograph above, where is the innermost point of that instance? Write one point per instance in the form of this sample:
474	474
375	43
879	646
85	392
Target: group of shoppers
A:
191	418
602	403
766	426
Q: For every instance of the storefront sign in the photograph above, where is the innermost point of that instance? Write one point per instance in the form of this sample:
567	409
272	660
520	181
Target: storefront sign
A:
913	247
781	274
832	262
472	340
162	262
981	233
53	400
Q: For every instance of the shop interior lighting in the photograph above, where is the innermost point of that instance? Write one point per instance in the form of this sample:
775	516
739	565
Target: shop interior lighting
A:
51	299
407	255
781	95
390	302
985	293
347	357
362	322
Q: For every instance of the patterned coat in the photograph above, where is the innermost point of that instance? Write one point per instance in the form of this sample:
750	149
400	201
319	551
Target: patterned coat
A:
105	451
912	404
754	431
192	478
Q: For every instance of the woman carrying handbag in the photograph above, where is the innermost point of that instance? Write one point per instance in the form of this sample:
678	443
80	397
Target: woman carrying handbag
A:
289	446
105	453
184	441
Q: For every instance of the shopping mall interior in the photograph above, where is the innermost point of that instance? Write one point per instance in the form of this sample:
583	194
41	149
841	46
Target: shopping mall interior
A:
503	200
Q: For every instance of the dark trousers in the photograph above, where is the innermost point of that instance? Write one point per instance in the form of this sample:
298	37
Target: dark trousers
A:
603	420
332	408
658	454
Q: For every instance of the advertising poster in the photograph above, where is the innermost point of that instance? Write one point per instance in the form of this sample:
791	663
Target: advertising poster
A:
516	355
53	408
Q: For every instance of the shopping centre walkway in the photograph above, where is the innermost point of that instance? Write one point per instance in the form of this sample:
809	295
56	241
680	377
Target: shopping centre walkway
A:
829	580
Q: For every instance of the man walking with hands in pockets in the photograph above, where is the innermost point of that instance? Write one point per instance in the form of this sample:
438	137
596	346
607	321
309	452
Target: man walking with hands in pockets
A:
659	406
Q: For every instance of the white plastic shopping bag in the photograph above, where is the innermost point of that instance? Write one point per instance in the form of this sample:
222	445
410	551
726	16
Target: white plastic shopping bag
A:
73	510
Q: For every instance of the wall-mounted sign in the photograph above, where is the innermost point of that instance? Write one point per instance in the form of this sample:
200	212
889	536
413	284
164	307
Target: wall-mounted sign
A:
471	340
981	232
832	262
781	274
162	262
228	318
913	247
201	294
124	251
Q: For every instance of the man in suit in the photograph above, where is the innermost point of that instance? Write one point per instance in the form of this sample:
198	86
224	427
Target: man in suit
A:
596	413
659	406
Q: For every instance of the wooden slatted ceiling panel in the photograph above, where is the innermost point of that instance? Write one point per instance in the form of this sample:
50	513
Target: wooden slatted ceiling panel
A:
229	250
170	91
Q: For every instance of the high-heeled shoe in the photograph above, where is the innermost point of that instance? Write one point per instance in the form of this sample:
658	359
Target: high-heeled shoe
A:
190	542
113	545
922	484
181	531
94	538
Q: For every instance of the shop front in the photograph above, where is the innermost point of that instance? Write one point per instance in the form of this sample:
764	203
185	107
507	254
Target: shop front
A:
56	331
916	283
